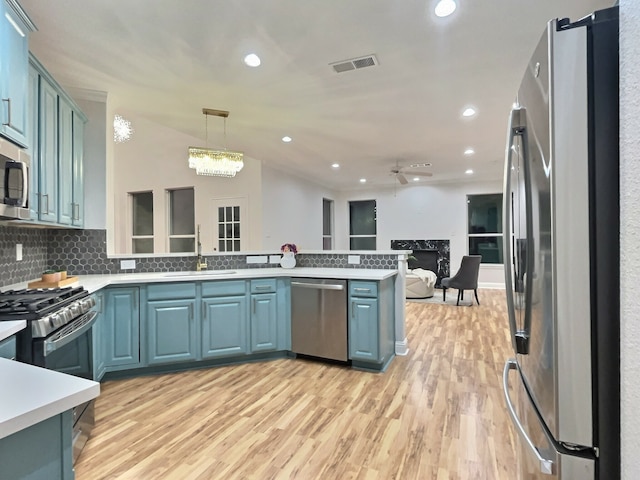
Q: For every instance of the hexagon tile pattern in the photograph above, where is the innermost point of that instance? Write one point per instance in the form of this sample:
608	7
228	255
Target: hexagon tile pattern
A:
84	252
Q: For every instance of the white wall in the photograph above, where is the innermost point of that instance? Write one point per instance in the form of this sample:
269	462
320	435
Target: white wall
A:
155	159
629	235
434	212
291	210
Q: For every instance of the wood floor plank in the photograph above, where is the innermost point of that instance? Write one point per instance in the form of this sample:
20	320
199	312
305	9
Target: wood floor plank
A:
436	413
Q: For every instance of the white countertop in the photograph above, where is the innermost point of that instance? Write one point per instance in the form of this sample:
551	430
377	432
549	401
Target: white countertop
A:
32	394
93	283
10	327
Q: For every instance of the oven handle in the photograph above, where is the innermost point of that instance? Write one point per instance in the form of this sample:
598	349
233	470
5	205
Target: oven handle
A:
87	320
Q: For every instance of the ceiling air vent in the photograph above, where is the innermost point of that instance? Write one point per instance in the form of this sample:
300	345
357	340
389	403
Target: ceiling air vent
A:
354	63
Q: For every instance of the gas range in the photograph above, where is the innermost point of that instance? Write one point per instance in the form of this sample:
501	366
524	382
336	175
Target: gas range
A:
46	310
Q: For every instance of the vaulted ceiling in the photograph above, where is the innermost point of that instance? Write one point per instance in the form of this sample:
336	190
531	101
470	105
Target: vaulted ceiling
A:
166	60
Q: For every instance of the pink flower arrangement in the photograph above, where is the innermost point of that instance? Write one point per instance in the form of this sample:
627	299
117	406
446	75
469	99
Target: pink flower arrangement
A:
289	247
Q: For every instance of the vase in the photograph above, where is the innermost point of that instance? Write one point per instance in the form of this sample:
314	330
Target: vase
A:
288	260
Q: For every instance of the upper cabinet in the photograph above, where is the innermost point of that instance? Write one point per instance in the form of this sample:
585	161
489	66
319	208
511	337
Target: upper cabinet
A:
15	26
56	137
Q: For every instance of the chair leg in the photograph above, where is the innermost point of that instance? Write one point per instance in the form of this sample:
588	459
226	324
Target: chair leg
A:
475	290
462	295
459	295
444	294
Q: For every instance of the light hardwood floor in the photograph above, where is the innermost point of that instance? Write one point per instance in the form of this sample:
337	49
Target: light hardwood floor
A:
437	413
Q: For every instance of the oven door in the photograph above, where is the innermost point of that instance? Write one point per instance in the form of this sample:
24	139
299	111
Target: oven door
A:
68	349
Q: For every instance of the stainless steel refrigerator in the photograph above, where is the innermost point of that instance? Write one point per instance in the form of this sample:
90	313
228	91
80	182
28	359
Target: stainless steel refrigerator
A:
561	227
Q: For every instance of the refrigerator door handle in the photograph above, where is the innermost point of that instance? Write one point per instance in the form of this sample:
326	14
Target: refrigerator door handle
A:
516	124
546	466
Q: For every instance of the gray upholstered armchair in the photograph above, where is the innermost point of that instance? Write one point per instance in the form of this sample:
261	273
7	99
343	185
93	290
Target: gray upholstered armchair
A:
466	278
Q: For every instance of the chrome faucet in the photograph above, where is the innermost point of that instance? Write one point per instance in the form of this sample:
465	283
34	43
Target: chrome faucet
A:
201	265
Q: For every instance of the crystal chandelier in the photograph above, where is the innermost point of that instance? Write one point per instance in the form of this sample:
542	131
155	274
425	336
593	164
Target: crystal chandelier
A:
122	129
219	163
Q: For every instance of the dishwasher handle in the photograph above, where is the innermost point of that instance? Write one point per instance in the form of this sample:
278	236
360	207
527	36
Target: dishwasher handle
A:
318	286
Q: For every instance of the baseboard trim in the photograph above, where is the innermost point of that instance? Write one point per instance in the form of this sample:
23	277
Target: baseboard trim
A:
402	347
492	285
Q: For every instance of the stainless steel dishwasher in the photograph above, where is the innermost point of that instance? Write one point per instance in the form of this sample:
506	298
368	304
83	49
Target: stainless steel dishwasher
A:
319	318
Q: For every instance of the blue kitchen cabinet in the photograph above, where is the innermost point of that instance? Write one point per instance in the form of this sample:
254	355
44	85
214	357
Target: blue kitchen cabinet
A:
122	328
43	451
224	326
15	26
171	331
8	348
264	315
371	323
48	150
56	135
171	322
34	169
224	319
65	162
363	329
77	210
98	339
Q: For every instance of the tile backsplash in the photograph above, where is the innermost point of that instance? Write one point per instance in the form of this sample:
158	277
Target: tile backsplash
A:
84	252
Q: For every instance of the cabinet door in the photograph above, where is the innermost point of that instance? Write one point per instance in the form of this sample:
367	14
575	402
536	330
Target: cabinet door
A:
77	211
48	131
34	151
172	333
264	336
8	348
98	339
122	327
224	326
13	78
65	162
363	329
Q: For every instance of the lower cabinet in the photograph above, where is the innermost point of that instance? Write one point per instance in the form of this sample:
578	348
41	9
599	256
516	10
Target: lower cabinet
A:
98	339
363	326
171	331
122	328
371	323
8	348
224	326
264	315
40	452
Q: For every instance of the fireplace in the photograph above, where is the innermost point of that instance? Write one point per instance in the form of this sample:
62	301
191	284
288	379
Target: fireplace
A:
430	255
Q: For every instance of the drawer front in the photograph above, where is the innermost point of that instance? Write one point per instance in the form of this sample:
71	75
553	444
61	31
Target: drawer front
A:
223	287
263	285
363	289
8	348
161	291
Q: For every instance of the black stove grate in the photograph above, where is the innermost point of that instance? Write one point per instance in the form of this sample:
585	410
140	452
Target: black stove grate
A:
30	304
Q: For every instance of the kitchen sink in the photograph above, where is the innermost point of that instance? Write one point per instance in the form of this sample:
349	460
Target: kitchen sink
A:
201	273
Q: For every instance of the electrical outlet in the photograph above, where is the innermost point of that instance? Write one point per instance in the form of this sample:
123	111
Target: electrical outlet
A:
353	259
127	264
18	252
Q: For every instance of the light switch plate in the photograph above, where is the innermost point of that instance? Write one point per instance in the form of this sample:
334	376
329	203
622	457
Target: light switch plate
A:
274	258
353	259
18	252
256	259
127	264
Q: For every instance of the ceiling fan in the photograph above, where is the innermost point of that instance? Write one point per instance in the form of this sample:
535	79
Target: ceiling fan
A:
400	172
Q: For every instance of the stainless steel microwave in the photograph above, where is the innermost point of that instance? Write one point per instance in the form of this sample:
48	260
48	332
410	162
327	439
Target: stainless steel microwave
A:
14	196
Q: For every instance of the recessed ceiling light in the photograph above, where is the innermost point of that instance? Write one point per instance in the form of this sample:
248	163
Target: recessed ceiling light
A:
469	112
335	165
469	172
416	179
363	180
252	60
469	151
286	139
444	8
